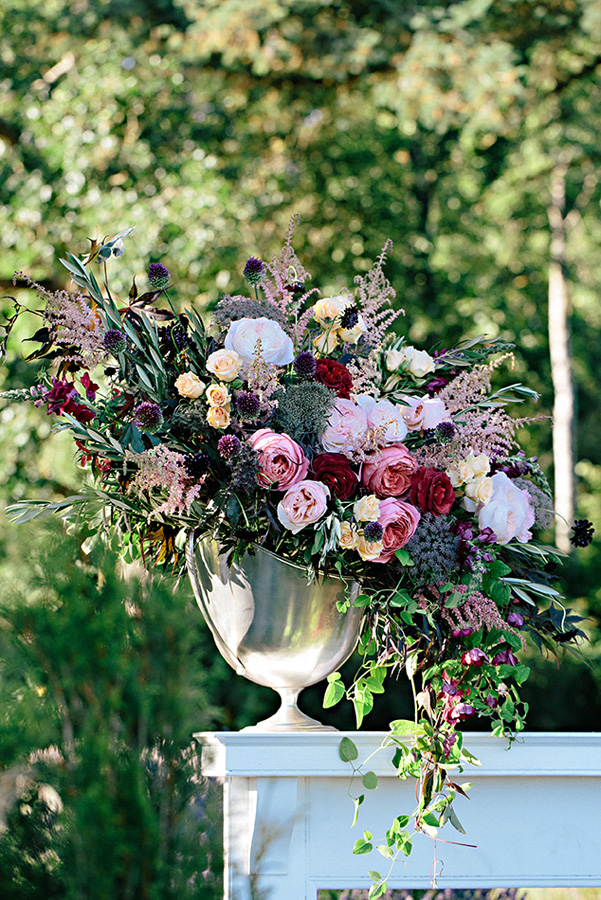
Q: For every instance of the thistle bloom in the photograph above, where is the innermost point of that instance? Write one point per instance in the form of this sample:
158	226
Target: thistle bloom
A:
158	275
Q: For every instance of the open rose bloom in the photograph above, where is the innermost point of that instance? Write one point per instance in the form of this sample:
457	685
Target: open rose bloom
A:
301	423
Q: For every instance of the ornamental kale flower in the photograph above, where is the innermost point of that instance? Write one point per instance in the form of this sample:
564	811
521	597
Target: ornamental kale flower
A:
582	533
148	417
305	365
158	275
248	405
254	270
115	341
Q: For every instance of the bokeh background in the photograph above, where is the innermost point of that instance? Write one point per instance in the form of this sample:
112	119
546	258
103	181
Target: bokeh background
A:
468	132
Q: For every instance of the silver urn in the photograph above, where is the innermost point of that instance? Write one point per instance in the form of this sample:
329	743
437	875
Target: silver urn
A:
272	626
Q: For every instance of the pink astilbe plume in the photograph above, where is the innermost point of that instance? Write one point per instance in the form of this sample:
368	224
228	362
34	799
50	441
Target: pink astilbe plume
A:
375	292
164	469
283	268
74	324
475	613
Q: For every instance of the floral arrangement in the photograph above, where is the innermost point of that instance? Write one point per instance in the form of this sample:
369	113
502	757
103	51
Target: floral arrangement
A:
305	425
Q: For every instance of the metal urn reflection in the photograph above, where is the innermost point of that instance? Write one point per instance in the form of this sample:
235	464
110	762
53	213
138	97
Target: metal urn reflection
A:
271	626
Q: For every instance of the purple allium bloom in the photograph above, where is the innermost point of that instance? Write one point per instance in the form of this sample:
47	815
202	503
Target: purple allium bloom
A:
148	417
228	446
582	533
515	619
114	341
373	531
248	405
196	464
158	275
305	364
475	657
349	317
505	658
445	432
254	270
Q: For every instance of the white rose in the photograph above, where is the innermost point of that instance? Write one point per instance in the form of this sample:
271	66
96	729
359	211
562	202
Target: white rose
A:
509	513
478	465
418	362
385	417
395	359
276	347
367	509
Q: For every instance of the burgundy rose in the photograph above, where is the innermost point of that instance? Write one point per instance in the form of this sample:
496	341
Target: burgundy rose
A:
432	491
335	376
333	470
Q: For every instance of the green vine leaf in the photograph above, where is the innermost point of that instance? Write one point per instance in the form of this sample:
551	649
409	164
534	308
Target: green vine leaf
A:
347	750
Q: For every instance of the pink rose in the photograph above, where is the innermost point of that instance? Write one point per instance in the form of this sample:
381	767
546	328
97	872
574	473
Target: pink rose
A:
283	462
346	429
422	413
303	504
508	513
399	521
388	472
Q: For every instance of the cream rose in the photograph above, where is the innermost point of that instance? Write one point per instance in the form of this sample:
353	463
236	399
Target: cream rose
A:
217	395
329	309
368	550
367	509
218	416
417	362
303	504
224	364
348	536
326	341
479	465
276	346
352	335
189	385
478	491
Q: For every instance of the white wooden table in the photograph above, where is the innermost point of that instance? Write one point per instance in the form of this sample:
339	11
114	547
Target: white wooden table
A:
534	813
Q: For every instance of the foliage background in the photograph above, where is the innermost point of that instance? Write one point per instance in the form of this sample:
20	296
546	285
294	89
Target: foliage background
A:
206	124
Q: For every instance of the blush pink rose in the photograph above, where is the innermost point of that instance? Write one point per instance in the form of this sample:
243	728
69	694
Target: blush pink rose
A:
388	472
399	521
303	504
283	462
422	413
346	429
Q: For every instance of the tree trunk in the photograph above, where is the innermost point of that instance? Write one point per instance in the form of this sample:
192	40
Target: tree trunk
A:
561	363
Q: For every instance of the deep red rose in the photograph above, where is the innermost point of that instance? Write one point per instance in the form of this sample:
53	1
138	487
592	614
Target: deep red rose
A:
336	376
333	470
432	491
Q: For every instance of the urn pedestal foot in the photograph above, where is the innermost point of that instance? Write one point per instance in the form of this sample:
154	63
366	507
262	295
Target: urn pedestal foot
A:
289	717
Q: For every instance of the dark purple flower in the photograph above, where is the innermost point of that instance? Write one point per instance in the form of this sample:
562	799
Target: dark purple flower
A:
448	743
515	619
148	417
475	657
487	536
248	405
462	632
463	711
582	533
89	386
158	275
254	270
295	287
491	701
505	658
373	531
305	365
196	464
349	317
228	446
445	432
114	341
